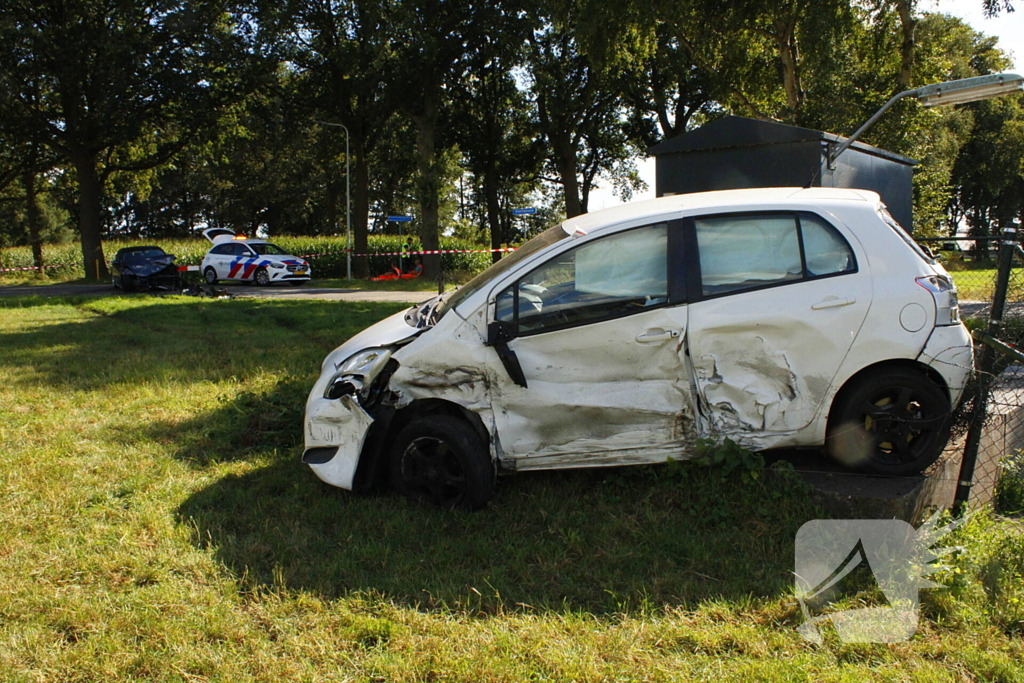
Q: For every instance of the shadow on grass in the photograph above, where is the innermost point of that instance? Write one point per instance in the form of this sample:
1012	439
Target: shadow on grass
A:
142	339
602	540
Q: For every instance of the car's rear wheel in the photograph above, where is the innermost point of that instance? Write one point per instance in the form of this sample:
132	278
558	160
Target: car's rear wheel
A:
441	460
261	277
210	275
893	422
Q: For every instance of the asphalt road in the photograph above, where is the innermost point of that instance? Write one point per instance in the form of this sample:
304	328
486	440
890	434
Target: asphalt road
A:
240	291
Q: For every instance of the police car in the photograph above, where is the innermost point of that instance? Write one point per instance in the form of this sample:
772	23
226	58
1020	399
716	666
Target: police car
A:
233	257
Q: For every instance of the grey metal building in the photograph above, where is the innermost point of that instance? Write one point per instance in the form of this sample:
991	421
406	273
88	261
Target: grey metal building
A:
736	152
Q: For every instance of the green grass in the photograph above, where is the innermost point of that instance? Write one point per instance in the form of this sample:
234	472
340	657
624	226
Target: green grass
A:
157	525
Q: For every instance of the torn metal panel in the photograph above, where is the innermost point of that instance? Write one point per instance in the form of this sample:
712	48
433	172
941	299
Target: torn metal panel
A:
764	361
596	391
342	423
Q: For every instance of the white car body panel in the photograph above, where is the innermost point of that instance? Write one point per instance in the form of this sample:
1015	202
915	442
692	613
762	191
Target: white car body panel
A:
763	373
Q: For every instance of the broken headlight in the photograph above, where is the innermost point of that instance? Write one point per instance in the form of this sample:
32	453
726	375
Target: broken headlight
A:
356	372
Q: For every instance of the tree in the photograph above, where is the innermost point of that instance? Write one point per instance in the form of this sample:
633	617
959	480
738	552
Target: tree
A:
344	58
114	86
580	113
491	118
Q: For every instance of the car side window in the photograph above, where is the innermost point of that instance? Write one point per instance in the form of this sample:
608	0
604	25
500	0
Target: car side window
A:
750	251
241	250
825	250
607	278
222	249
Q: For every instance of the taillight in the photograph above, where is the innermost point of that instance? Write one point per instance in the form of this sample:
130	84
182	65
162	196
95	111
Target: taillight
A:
947	305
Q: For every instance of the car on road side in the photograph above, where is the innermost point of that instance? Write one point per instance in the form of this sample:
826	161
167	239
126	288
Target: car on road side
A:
780	317
235	258
144	267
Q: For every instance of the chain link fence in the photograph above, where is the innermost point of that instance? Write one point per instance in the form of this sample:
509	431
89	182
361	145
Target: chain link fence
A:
989	428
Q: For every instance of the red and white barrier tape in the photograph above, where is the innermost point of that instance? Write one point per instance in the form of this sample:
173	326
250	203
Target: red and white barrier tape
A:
13	270
414	253
385	253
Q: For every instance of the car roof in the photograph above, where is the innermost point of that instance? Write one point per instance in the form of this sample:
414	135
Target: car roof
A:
128	250
720	200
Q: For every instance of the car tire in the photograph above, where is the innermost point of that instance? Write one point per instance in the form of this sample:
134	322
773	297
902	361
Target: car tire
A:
128	283
210	275
261	277
441	460
893	422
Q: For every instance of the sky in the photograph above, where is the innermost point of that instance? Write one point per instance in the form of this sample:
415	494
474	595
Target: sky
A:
1008	27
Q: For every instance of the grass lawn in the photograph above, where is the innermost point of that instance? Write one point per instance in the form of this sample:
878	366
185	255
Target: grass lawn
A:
156	525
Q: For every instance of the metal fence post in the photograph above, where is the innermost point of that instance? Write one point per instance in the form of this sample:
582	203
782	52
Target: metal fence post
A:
986	361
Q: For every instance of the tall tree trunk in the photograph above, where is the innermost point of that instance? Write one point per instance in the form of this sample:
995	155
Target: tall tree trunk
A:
90	193
33	214
493	211
785	37
429	181
908	24
565	160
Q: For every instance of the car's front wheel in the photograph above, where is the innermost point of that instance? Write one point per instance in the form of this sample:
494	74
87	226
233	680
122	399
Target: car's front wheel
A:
893	422
210	275
441	460
262	277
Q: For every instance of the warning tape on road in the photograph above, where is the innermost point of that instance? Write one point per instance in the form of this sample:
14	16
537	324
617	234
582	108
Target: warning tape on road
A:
415	253
53	265
385	253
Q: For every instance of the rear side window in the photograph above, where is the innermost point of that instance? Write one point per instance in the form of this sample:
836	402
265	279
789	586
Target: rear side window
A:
887	218
223	249
750	251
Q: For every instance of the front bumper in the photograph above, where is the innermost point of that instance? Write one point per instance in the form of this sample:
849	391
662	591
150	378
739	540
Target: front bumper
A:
950	352
338	424
280	275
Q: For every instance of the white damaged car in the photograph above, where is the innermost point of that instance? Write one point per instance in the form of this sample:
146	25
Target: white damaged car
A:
233	257
774	317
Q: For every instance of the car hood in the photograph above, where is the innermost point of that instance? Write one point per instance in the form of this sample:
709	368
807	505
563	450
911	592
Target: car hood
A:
287	259
151	266
389	331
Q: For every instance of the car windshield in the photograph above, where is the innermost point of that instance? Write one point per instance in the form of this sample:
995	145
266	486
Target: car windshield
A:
138	255
541	241
267	249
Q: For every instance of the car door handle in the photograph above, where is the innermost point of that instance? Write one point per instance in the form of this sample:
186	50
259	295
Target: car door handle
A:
657	335
832	302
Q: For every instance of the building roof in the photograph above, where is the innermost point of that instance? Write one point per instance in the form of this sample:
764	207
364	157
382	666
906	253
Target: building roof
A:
737	131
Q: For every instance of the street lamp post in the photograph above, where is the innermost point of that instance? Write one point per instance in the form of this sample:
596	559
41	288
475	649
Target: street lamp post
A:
348	199
939	94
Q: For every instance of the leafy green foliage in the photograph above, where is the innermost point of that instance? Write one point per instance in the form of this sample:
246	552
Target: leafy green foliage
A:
1010	490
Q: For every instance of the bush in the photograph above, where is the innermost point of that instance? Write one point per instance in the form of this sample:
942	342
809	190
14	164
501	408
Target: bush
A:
1010	491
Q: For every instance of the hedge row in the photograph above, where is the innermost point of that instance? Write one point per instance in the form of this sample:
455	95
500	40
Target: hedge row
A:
326	254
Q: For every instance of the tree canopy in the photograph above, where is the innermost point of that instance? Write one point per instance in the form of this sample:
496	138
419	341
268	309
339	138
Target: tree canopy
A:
159	117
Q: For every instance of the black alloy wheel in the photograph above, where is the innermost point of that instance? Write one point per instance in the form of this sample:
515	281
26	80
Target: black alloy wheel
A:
893	422
441	460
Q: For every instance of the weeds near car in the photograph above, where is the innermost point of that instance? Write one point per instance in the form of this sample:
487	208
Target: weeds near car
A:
157	525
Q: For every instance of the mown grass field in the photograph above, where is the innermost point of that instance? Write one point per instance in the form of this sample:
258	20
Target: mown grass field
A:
156	525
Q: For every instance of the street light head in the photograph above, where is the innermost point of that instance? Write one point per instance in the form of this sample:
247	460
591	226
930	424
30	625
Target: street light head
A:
969	89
